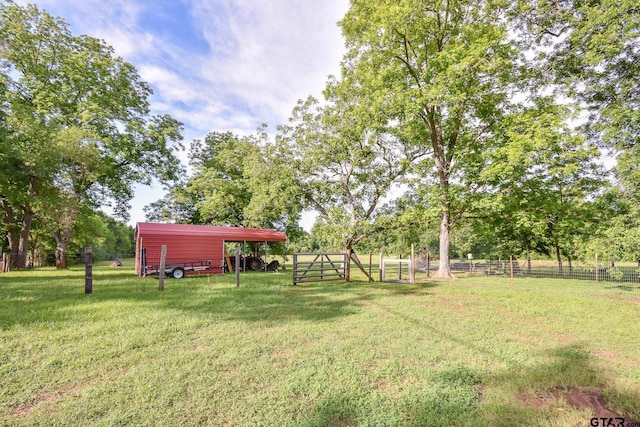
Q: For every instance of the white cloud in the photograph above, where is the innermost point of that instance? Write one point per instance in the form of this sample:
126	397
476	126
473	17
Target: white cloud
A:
270	54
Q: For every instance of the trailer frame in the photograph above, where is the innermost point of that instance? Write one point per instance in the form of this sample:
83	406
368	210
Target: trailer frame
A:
178	269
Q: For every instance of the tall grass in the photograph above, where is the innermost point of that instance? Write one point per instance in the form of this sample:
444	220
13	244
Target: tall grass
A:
204	352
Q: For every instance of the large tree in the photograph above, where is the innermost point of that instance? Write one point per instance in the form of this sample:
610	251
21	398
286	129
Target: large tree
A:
236	180
446	72
544	180
591	49
78	124
347	163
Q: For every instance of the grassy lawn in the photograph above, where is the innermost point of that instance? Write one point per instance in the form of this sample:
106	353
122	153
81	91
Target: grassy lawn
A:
476	351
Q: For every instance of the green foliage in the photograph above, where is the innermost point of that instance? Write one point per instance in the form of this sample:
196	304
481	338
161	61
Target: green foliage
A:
77	120
591	50
444	73
545	178
240	181
344	161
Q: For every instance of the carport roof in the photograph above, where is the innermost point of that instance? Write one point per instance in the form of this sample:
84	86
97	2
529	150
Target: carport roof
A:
229	234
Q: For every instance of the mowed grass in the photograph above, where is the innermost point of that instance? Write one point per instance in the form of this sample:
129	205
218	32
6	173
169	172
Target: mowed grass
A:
476	351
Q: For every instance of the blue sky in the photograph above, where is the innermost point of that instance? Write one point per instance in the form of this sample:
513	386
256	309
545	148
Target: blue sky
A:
216	65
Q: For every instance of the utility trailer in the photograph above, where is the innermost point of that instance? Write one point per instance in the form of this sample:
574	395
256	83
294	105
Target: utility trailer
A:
194	242
177	270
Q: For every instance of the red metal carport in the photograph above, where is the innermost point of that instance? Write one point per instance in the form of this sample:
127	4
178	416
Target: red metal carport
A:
186	242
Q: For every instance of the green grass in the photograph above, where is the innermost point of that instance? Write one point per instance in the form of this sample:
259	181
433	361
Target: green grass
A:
203	352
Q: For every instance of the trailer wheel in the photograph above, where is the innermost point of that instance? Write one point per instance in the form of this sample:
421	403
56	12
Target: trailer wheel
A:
178	273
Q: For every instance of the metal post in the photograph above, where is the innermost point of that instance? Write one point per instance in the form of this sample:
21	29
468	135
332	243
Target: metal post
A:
237	266
412	265
244	253
88	270
284	256
511	263
295	266
266	256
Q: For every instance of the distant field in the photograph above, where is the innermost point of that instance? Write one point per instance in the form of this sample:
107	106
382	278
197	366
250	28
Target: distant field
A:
480	351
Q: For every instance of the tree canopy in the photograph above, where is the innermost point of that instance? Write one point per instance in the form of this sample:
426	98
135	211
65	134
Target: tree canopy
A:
77	128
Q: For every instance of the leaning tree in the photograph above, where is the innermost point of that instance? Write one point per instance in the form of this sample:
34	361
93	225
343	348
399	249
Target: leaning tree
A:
347	162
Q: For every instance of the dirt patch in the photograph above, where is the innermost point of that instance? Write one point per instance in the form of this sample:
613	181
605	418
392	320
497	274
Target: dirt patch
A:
451	305
633	300
564	338
26	410
607	354
480	390
200	347
282	354
591	399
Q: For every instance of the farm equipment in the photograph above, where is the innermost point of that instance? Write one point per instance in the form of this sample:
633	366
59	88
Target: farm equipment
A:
254	263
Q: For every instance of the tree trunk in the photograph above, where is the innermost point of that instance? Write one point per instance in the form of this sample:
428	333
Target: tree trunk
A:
63	239
17	237
23	245
559	258
444	270
570	265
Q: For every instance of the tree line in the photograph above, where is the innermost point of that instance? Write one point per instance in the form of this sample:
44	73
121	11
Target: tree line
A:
76	132
456	125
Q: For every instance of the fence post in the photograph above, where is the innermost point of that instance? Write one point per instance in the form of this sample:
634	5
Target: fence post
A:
237	264
370	262
163	261
295	267
412	265
88	270
597	268
511	265
347	266
428	264
381	268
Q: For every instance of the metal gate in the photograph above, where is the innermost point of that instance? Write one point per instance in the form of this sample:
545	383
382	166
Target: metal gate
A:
319	267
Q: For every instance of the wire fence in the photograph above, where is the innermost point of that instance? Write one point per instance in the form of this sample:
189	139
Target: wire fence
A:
15	262
618	273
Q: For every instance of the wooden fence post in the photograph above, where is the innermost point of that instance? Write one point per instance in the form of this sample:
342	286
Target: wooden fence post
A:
163	262
88	270
370	262
348	264
381	267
